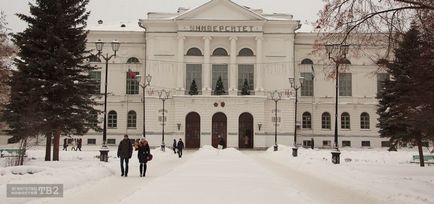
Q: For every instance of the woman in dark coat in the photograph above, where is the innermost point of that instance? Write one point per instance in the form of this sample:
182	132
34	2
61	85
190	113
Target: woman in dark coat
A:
143	153
174	146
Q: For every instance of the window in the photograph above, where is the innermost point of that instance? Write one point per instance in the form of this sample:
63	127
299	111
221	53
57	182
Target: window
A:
219	52
307	120
366	143
133	60
345	84
307	143
381	80
346	143
245	71
194	72
325	121
306	61
111	141
307	88
194	52
132	119
326	143
91	141
385	144
94	58
245	52
112	119
96	76
220	70
364	121
345	120
132	84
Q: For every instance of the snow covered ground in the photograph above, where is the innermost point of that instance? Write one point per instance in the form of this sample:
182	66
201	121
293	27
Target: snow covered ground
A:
230	176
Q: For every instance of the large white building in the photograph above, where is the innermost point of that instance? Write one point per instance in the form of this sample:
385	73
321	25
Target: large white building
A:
221	39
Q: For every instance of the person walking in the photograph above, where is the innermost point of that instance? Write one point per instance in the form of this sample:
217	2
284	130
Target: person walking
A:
65	144
79	144
174	146
125	150
180	147
221	144
143	153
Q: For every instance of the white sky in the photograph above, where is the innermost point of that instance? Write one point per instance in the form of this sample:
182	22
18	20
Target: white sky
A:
114	11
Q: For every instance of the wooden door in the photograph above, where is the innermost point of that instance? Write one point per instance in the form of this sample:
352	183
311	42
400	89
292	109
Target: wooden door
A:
219	126
192	130
245	131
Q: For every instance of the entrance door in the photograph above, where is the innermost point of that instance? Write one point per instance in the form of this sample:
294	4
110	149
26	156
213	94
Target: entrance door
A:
245	131
192	130
219	125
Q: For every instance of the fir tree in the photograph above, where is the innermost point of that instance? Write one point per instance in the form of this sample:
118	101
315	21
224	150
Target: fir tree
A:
219	88
245	90
52	92
193	88
406	102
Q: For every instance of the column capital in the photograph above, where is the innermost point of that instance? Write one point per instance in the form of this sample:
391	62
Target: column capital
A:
207	37
233	38
259	38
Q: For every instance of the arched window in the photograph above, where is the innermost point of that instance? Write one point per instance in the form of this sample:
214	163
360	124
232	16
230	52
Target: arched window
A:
132	119
245	52
194	52
326	121
307	120
112	119
306	61
94	58
219	52
345	120
133	60
364	121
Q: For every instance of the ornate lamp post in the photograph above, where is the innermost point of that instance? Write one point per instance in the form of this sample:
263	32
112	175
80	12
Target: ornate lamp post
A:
276	97
296	86
163	95
115	47
337	53
146	82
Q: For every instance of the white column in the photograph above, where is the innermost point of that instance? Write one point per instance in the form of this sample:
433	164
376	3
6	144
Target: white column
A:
181	70
233	67
206	71
258	68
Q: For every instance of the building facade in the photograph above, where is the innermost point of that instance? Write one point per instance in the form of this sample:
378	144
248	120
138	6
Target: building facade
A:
221	41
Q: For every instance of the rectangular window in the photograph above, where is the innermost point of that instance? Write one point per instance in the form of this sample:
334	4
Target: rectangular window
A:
307	143
385	144
346	143
246	71
381	79
111	141
220	71
132	84
345	84
366	143
194	72
326	143
91	141
325	121
96	76
307	88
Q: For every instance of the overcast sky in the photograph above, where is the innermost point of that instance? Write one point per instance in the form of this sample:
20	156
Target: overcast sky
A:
114	11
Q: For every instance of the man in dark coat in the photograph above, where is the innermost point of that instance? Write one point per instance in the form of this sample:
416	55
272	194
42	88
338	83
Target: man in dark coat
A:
125	150
180	147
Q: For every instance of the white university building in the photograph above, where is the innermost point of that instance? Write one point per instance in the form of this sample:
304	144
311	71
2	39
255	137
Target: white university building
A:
222	39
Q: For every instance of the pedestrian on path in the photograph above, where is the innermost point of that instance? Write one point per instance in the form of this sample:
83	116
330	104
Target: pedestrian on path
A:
79	144
143	153
65	144
174	146
221	144
125	150
180	147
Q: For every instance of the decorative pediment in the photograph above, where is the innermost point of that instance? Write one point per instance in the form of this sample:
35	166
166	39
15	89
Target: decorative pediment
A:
220	10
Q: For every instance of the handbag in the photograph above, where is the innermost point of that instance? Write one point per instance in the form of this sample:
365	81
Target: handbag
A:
149	157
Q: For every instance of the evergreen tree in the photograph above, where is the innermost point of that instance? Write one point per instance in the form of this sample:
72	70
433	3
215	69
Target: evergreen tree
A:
51	90
407	101
193	88
245	90
219	88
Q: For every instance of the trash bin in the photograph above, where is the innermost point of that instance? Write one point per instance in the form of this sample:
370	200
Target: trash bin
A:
294	151
103	156
336	157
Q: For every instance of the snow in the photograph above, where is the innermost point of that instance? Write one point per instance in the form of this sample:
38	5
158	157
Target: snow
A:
213	176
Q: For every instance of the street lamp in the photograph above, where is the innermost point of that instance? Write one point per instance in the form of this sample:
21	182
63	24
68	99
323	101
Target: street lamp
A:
163	95
115	47
296	86
146	82
337	53
276	97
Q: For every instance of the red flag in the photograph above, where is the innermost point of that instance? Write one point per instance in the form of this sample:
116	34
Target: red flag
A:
131	74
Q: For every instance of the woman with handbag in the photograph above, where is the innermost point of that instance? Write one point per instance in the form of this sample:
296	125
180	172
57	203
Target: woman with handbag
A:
143	155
